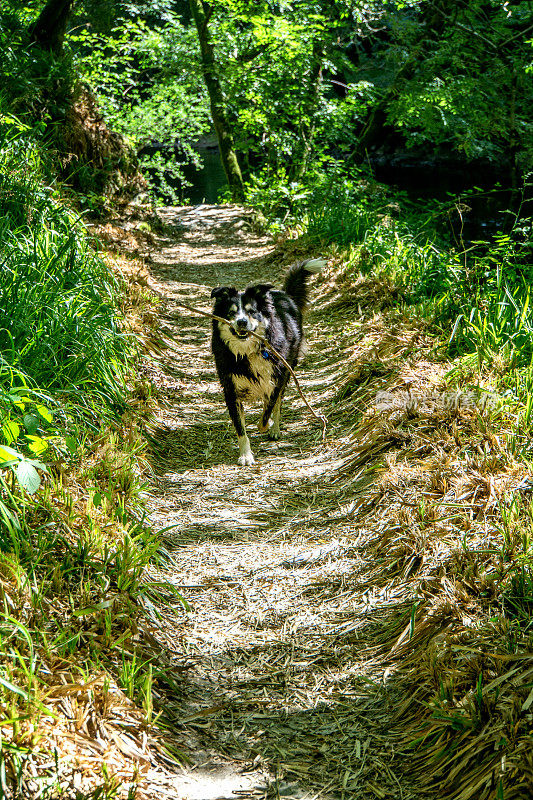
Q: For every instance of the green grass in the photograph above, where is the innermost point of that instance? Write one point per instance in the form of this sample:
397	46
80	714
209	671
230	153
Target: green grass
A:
477	303
479	298
74	544
58	321
473	306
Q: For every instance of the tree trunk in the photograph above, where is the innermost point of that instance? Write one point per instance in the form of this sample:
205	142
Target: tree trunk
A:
48	31
201	14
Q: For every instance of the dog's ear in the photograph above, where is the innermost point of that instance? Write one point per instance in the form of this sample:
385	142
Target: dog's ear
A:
258	291
223	291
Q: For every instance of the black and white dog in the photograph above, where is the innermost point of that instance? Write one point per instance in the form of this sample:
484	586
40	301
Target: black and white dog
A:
247	371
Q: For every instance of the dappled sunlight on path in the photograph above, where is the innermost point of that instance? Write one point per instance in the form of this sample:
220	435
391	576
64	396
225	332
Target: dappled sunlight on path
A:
283	695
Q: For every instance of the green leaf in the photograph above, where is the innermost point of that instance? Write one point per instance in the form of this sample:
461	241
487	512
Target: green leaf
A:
31	423
44	413
28	477
8	455
71	443
19	398
38	464
37	444
11	430
83	612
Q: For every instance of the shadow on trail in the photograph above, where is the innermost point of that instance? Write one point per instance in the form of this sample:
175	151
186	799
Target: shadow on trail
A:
210	443
239	272
195	446
327	739
293	610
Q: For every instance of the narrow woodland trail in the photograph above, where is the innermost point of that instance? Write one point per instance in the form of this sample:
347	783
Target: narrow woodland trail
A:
286	690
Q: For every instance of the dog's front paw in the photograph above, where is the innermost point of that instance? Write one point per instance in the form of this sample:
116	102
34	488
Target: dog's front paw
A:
246	460
263	428
274	433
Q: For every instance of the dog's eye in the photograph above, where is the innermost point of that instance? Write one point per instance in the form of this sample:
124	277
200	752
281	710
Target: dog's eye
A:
233	308
248	307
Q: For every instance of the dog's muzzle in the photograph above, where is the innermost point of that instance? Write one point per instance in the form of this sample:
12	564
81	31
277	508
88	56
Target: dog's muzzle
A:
240	328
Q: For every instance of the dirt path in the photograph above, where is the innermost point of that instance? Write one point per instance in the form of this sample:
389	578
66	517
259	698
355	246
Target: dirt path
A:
286	692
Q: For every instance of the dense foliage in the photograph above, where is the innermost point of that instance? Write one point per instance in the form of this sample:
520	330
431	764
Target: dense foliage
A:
304	84
309	83
313	97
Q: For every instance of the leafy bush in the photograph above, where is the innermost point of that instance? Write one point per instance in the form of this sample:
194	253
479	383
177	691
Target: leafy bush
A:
279	198
35	86
149	88
339	210
496	321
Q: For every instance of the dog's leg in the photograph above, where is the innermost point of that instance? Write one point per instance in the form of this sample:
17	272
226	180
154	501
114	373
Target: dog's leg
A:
273	431
271	413
236	412
246	457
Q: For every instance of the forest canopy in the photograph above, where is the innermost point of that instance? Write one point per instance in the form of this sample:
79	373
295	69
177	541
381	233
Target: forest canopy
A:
302	86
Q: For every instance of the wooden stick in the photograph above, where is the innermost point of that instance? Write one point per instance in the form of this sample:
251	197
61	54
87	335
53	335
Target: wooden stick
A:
320	417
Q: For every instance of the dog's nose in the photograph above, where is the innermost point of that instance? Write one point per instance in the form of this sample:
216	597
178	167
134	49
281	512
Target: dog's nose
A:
241	324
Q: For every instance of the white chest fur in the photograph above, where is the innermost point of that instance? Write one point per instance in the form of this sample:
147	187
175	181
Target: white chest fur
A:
263	384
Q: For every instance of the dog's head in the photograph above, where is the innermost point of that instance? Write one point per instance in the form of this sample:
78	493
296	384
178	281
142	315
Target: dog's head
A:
243	310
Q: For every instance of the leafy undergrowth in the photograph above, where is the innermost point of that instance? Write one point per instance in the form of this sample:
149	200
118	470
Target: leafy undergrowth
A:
74	545
439	395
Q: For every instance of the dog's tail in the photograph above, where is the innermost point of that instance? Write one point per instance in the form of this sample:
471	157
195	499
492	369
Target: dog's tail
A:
296	279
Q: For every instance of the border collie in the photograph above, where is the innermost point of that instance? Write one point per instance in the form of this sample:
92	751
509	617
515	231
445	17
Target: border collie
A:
246	369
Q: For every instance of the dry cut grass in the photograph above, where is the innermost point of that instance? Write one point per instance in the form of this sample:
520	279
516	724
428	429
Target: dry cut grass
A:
449	520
